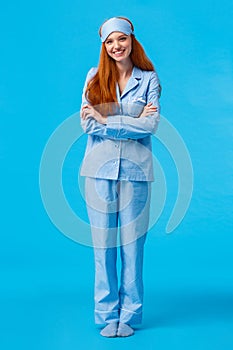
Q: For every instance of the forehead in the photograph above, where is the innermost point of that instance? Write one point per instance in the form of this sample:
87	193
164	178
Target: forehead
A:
115	35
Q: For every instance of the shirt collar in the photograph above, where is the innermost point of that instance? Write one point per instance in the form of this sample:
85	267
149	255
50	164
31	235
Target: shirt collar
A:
136	73
132	83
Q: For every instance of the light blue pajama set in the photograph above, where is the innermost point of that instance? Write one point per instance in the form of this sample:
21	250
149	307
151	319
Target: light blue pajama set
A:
119	171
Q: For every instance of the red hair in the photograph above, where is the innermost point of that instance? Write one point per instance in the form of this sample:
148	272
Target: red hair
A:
101	88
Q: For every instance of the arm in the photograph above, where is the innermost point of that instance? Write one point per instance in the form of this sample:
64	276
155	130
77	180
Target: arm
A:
92	122
124	127
90	125
134	128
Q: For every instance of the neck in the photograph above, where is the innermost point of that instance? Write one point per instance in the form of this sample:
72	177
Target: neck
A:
124	68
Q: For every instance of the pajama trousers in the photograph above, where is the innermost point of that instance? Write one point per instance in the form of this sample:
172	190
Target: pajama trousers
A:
114	206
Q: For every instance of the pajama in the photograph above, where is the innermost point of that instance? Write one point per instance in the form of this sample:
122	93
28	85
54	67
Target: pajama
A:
118	167
112	204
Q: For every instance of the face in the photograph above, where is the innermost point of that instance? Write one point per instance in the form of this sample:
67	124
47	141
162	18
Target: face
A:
118	46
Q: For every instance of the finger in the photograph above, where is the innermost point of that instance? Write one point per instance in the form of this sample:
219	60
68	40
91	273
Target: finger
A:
86	107
83	114
90	109
85	111
149	113
89	115
152	110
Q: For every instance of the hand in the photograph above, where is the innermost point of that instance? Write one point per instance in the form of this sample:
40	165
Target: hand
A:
148	110
90	112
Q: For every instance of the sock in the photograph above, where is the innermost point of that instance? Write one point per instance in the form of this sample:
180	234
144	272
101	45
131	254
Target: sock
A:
110	330
124	330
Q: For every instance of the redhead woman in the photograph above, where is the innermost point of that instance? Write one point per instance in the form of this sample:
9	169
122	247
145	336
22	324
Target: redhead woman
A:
120	112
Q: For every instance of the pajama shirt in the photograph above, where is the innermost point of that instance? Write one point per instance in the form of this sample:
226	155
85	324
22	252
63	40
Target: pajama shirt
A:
119	170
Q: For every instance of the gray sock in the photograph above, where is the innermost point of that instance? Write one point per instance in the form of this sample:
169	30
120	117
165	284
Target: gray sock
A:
110	331
124	330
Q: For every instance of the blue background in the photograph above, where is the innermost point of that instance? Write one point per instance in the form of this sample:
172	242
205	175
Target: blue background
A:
46	280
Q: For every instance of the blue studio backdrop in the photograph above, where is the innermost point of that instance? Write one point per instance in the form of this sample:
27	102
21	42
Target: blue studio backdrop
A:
47	278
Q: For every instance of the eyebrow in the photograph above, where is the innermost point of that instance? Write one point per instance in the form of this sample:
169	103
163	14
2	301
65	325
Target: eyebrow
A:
120	36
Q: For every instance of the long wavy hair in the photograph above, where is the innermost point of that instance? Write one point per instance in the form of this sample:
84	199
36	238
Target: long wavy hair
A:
101	89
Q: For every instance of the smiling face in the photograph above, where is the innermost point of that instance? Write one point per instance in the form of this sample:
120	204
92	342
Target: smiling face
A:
118	46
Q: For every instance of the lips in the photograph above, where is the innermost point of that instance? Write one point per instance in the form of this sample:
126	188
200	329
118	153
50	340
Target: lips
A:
118	53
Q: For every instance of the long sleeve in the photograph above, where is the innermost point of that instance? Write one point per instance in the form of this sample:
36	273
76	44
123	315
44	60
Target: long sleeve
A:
90	125
123	127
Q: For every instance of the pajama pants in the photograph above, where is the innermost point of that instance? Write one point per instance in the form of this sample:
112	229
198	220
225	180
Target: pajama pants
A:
114	206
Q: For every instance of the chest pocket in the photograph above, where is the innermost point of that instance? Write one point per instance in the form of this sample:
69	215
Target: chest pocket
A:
136	105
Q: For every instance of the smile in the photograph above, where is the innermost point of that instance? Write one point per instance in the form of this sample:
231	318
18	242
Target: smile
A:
117	53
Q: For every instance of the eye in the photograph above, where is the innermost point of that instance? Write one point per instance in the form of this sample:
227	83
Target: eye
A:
123	38
108	42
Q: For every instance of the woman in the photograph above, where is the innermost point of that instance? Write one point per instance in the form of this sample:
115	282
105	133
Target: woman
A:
120	112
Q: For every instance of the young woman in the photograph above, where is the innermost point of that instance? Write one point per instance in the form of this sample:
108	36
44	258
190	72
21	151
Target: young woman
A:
120	112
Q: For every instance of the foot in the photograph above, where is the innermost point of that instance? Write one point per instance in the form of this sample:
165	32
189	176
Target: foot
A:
124	330
110	331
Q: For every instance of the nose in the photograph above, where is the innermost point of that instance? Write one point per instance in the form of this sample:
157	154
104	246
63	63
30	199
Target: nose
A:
116	44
